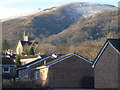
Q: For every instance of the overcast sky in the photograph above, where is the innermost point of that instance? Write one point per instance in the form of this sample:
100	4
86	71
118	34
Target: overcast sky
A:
10	8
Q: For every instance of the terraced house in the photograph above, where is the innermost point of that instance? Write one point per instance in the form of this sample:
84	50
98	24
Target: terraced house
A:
68	71
25	71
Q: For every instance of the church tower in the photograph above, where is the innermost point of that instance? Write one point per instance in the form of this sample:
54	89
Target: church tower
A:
25	37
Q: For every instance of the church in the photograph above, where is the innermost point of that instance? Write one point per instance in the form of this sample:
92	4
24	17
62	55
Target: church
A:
25	45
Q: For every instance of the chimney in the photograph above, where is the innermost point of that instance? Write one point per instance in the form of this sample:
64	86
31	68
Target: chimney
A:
39	57
54	55
44	62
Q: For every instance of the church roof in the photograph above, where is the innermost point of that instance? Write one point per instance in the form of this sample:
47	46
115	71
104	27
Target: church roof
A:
28	43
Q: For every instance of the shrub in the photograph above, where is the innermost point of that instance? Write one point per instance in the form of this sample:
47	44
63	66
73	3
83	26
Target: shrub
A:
20	83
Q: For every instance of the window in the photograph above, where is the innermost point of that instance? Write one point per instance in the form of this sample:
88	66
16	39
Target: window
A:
6	69
23	73
19	73
26	71
36	75
40	74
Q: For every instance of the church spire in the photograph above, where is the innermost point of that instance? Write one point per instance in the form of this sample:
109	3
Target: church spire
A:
25	36
24	33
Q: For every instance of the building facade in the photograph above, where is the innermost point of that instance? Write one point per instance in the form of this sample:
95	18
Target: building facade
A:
69	71
106	65
26	71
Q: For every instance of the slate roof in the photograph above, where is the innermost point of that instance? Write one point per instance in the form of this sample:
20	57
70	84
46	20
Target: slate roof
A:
46	58
28	43
59	59
24	66
115	43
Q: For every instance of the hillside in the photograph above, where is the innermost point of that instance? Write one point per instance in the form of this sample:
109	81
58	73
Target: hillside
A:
91	28
49	21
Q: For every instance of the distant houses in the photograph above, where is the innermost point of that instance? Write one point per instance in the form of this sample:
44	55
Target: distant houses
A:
27	59
74	71
25	71
107	65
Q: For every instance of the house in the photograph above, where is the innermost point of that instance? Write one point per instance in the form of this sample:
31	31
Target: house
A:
24	46
8	68
106	65
27	59
9	52
68	71
25	71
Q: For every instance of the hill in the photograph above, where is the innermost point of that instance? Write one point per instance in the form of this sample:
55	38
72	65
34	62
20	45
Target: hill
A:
50	21
91	28
80	28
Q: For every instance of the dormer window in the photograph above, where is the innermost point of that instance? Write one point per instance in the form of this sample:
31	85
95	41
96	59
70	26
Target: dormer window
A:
6	69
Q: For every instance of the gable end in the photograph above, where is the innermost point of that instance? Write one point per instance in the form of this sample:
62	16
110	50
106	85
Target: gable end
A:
99	54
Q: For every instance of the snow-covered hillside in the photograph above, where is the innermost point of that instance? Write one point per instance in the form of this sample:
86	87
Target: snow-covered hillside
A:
85	9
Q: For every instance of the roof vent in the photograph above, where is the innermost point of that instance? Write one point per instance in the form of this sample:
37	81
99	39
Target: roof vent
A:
39	57
54	55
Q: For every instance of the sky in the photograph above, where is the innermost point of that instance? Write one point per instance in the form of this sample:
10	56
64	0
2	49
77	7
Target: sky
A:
10	8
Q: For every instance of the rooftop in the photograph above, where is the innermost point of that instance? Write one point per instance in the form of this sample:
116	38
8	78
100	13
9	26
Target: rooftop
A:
29	56
59	59
6	60
24	66
28	42
115	43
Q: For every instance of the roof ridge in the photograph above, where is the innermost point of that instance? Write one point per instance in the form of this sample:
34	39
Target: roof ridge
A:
60	58
100	53
84	58
67	56
37	60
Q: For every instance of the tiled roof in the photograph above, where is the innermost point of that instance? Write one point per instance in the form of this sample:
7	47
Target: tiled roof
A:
28	43
65	57
59	58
